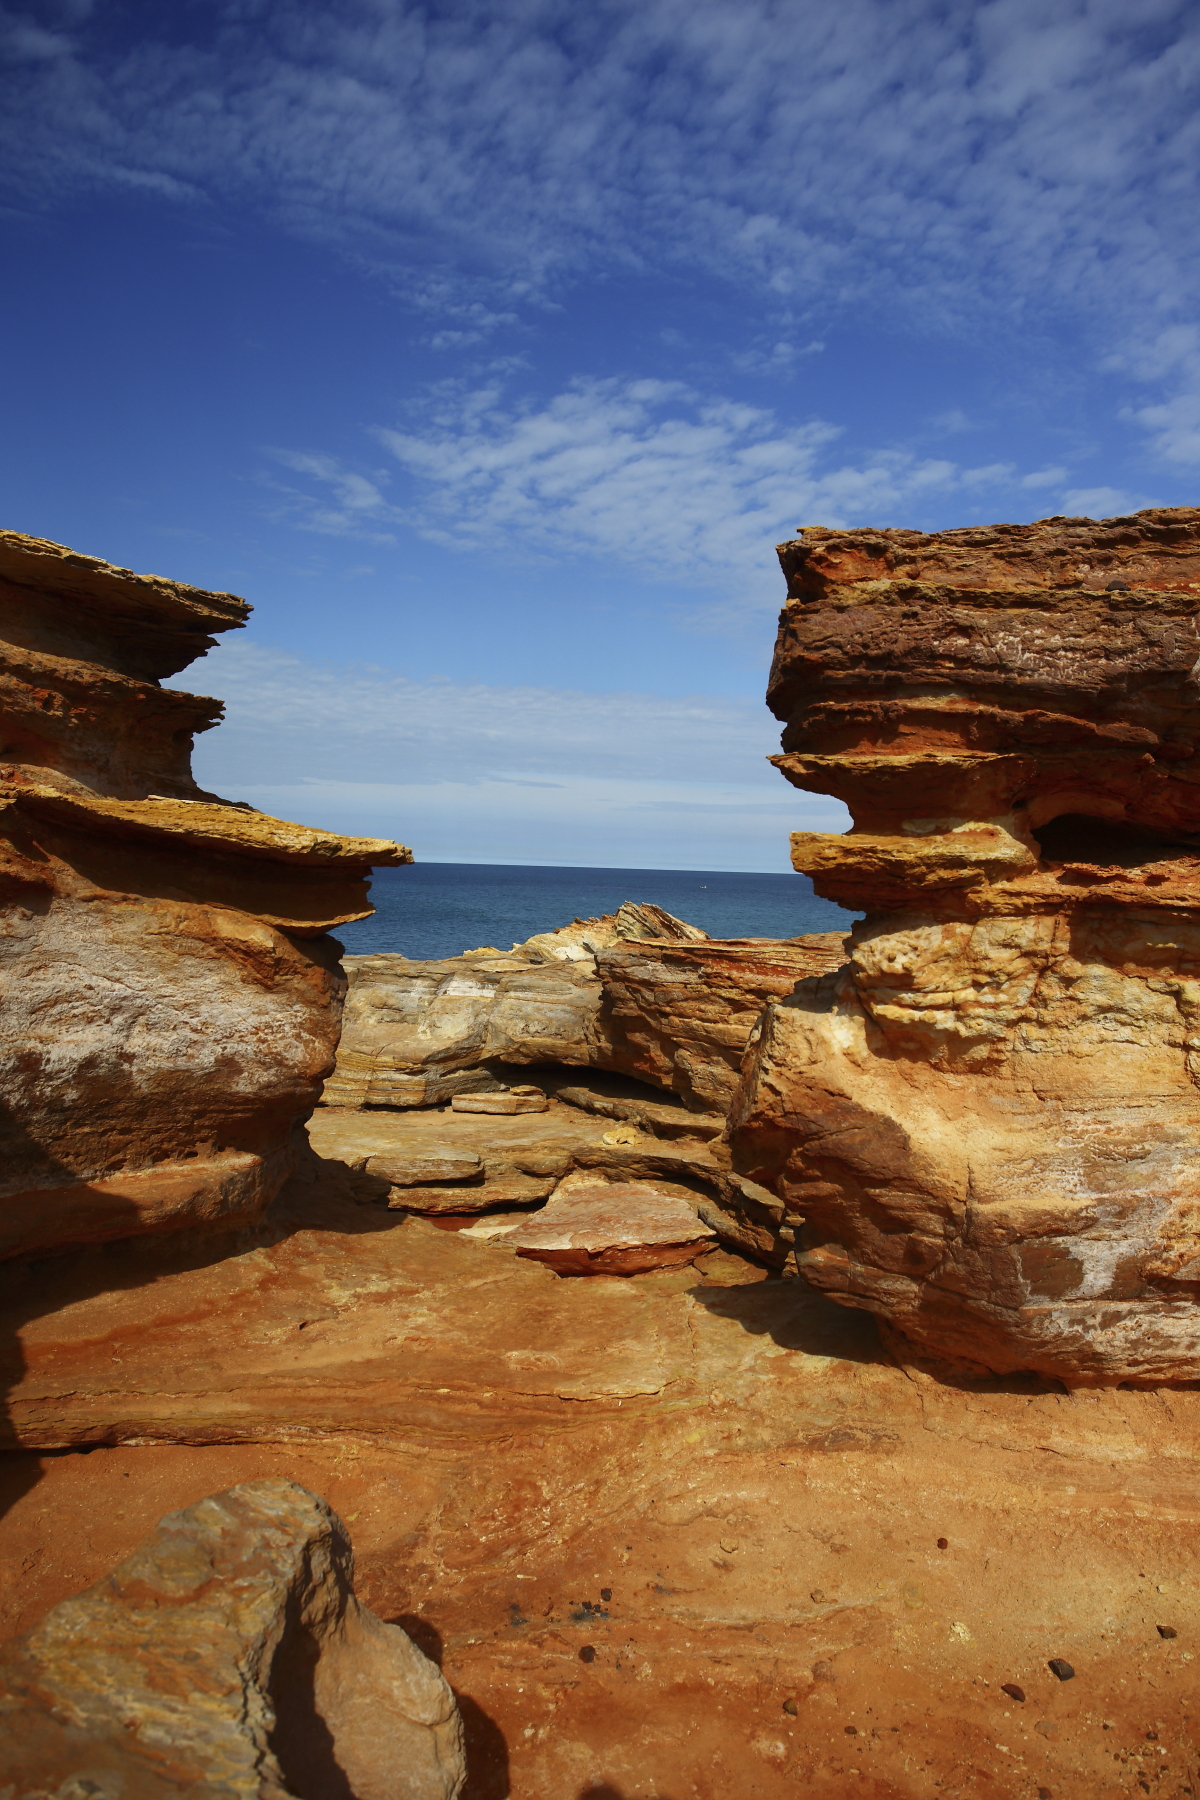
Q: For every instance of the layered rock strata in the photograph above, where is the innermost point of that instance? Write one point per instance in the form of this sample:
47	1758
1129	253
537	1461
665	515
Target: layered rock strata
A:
989	1120
229	1655
170	999
675	1012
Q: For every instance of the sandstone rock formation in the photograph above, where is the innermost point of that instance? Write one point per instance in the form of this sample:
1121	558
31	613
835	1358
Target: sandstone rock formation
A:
228	1655
675	1011
680	1016
989	1121
170	999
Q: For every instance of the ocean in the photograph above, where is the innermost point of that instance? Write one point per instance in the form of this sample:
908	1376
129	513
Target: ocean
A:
441	909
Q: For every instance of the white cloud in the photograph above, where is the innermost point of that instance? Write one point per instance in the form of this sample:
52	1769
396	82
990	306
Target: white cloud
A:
476	773
680	486
1102	502
965	154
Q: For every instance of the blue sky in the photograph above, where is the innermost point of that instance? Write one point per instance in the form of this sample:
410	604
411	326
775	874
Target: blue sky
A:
488	350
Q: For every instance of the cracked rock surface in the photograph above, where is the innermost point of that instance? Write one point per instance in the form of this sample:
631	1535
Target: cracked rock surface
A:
988	1120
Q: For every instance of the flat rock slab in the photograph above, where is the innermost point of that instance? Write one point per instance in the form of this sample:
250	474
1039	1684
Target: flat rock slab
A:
430	1167
612	1228
500	1103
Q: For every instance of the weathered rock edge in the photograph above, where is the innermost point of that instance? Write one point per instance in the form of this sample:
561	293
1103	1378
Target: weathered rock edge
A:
228	1655
171	1002
989	1120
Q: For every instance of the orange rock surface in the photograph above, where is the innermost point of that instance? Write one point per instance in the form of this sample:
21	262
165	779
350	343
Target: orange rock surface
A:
688	1534
170	1000
989	1119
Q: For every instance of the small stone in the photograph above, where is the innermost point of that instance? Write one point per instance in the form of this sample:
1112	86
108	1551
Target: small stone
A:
1060	1667
850	1730
818	1594
823	1671
1013	1691
588	1653
729	1545
606	1593
943	1543
1166	1631
1044	1793
791	1707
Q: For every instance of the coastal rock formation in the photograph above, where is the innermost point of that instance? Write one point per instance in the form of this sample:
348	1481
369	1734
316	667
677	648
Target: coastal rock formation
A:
989	1121
679	1016
171	1002
674	1009
228	1655
417	1033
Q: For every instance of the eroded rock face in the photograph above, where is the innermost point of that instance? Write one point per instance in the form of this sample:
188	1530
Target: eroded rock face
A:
229	1655
679	1016
674	1010
989	1120
170	999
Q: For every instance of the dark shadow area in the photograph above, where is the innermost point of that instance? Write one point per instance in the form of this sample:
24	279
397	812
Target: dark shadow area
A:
485	1743
1109	843
424	1634
796	1317
487	1753
301	1740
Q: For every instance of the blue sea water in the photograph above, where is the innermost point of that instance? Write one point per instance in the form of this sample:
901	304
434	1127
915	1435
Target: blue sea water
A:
441	909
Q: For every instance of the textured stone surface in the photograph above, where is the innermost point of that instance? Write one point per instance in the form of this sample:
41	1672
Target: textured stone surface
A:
594	1227
170	1003
674	1011
228	1654
713	1480
680	1015
989	1120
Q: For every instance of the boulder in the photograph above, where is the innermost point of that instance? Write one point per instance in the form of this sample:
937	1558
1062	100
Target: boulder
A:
988	1121
597	1227
229	1655
171	1000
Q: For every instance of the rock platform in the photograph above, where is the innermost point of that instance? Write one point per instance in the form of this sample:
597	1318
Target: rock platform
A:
674	1534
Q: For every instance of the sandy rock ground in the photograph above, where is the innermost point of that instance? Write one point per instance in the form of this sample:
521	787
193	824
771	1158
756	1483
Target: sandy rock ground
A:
685	1534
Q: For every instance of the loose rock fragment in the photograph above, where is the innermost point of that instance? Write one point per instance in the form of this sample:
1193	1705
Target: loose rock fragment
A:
1166	1631
611	1228
1013	1690
1060	1667
511	1102
222	1655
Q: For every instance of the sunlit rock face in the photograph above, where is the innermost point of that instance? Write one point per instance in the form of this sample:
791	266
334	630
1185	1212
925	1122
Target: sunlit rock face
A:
989	1118
170	1001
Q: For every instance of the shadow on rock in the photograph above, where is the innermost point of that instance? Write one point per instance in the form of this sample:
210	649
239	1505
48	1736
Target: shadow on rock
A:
796	1317
485	1743
607	1792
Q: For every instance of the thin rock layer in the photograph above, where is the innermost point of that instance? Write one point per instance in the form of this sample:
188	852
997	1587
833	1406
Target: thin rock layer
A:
988	1119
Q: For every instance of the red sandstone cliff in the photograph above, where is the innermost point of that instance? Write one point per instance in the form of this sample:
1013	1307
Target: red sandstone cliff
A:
989	1120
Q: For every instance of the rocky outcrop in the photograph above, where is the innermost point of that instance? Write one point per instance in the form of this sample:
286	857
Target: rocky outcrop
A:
680	1016
171	1000
673	1011
228	1655
418	1033
989	1120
